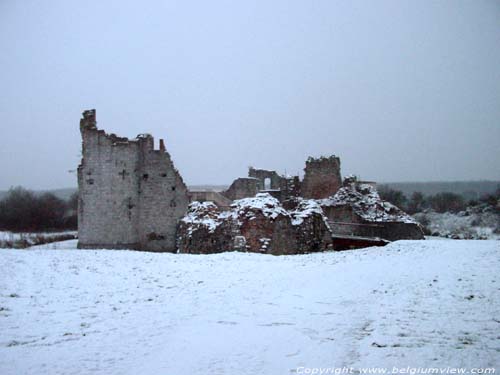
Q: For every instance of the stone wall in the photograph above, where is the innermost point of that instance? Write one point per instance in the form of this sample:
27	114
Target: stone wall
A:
289	188
130	195
322	177
210	196
262	175
343	220
259	224
357	210
201	231
243	187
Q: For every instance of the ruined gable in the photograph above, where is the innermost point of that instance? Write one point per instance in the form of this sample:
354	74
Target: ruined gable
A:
130	195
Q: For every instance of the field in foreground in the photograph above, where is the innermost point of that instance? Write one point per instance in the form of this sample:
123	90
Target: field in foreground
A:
412	303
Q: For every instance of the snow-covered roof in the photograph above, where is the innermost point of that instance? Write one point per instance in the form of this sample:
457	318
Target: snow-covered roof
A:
366	202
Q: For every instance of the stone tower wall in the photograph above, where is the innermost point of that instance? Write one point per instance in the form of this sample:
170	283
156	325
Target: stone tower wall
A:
119	207
163	201
321	178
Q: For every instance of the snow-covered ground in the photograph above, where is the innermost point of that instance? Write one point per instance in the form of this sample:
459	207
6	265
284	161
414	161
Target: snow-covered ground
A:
11	236
469	224
7	237
412	303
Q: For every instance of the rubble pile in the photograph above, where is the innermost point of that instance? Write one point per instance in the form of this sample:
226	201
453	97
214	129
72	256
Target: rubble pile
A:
258	224
357	210
366	202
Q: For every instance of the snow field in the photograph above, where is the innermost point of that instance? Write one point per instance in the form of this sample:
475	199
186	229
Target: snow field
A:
411	303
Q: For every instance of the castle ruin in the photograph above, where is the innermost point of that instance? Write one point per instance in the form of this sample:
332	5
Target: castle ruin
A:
131	196
321	179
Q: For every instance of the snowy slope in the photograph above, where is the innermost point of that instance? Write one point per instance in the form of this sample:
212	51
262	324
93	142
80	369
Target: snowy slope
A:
11	236
469	224
8	238
412	303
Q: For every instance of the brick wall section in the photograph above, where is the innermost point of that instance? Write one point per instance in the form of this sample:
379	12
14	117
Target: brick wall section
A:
322	177
130	195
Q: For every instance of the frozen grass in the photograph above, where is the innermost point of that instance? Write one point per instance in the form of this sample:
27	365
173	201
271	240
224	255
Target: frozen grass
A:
412	303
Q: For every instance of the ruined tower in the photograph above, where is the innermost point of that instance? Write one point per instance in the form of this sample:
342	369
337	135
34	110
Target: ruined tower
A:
130	195
321	178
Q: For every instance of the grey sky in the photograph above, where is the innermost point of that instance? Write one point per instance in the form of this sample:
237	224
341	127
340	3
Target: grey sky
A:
400	90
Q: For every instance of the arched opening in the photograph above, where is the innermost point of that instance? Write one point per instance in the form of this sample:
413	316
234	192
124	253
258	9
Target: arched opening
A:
267	183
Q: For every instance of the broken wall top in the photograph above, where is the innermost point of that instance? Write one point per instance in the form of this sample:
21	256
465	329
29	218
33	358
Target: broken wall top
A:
366	202
263	205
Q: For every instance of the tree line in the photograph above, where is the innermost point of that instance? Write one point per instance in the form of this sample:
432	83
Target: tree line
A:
22	210
441	202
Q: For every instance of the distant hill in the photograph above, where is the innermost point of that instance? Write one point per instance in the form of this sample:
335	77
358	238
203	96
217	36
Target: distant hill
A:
469	189
207	187
66	193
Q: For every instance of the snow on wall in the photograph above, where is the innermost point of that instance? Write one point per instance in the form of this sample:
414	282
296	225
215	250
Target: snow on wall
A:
263	223
306	208
366	202
202	214
206	214
269	206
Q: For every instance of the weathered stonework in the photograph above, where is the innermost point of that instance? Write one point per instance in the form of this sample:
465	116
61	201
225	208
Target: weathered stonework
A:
219	199
322	177
273	178
203	231
259	224
357	210
290	188
242	188
130	195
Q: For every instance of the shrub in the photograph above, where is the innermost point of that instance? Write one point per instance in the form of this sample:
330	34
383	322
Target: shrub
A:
395	197
447	202
416	203
22	210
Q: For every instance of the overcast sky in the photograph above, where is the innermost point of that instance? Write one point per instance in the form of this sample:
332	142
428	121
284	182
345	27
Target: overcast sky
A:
400	90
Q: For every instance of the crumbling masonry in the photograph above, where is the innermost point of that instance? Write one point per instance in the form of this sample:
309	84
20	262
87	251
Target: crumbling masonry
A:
130	195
